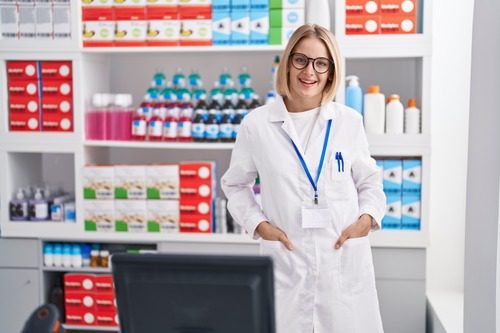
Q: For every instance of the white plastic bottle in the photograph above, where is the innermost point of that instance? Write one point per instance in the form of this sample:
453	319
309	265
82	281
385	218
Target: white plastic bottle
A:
412	117
394	116
354	94
318	12
374	111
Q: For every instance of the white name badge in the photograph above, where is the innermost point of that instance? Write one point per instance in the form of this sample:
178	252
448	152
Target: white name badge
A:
316	217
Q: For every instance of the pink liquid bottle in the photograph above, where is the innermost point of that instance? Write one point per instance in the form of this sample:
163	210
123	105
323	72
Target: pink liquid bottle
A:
123	116
170	124
185	122
155	124
93	118
139	125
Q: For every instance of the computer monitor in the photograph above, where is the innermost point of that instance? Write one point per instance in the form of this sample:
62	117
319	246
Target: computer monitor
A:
167	293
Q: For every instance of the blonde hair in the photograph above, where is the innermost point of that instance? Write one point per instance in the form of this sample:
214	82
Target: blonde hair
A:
306	31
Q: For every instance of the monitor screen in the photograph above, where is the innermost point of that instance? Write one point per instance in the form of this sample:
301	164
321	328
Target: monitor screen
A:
171	293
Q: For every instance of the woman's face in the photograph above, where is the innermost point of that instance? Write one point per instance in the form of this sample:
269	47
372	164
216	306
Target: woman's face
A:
307	83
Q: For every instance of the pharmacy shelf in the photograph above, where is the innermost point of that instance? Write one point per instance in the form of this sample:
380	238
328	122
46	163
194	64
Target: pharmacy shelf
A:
184	49
90	328
161	145
399	238
398	144
40	141
385	46
38	45
76	269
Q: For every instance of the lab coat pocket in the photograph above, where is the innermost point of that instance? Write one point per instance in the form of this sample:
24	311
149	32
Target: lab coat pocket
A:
356	265
282	261
339	178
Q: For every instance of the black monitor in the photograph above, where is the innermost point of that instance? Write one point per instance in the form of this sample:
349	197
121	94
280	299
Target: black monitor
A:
164	293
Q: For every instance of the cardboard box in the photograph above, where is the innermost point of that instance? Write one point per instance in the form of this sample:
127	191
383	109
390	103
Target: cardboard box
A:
119	4
163	3
130	182
286	4
162	181
98	182
131	26
44	21
131	216
107	318
163	26
221	6
240	27
99	215
98	26
280	36
80	317
61	14
362	7
24	121
193	207
196	223
197	170
96	3
104	284
393	176
163	216
23	88
392	218
196	190
221	28
9	29
398	7
240	5
78	282
259	5
196	32
259	27
286	17
398	25
362	25
56	70
195	3
22	70
60	88
79	300
105	301
56	122
410	216
412	176
27	21
56	104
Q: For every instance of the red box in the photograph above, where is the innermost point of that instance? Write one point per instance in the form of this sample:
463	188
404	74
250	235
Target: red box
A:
197	190
189	207
195	223
23	87
104	284
203	171
97	18
22	70
55	104
56	122
107	318
81	300
398	7
162	13
362	7
105	301
80	317
61	88
24	122
24	104
398	25
79	282
195	12
362	25
56	70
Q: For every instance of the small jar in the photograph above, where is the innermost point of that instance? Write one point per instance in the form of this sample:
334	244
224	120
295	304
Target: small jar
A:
104	254
94	258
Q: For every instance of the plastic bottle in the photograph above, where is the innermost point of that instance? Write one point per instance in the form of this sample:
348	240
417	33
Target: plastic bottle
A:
374	111
170	123
66	255
94	117
158	81
225	78
155	125
86	255
168	93
354	94
57	254
48	254
394	116
121	117
226	127
212	127
412	117
139	125
185	121
179	79
76	256
194	80
198	130
318	12
270	97
104	255
245	80
69	211
19	207
38	207
274	72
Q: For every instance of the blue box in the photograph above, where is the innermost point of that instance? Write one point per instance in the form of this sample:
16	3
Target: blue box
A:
221	5
240	5
221	28
380	165
393	176
259	5
240	27
392	218
410	216
412	176
259	27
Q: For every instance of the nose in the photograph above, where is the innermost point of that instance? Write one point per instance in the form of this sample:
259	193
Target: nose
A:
310	67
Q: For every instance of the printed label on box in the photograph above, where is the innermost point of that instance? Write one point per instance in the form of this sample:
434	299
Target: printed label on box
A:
98	27
130	182
362	25
392	218
130	215
196	32
240	27
221	28
9	27
60	88
98	182
56	70
259	27
22	70
162	182
412	176
23	88
362	7
163	216
195	223
410	218
398	7
398	25
393	176
99	215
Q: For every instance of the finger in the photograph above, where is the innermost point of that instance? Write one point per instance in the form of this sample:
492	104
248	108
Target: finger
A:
283	239
341	240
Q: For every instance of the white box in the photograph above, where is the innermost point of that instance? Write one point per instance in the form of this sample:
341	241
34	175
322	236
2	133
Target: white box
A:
130	215
163	216
9	17
162	181
99	215
131	31
196	30
98	182
27	21
61	16
163	31
44	26
130	182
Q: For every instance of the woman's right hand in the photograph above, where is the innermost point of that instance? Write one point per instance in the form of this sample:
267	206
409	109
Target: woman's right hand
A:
272	233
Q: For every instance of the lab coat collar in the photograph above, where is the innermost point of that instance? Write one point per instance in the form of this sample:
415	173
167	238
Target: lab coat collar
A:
280	113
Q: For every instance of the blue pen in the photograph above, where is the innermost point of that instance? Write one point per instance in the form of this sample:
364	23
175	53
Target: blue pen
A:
338	161
342	160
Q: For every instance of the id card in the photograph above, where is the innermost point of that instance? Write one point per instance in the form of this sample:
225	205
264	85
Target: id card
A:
316	216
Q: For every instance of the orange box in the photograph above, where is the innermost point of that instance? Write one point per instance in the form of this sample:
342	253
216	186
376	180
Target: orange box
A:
362	7
79	282
61	88
74	301
398	25
194	189
104	283
105	301
24	122
107	318
56	70
195	223
197	171
98	26
362	25
23	88
398	7
188	207
195	13
80	317
23	70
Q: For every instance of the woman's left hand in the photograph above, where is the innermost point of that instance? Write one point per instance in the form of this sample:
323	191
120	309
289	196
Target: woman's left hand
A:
360	228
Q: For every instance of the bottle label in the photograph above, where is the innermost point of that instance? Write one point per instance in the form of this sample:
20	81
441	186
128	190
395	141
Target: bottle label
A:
212	131
139	128
170	129
184	129
226	131
41	210
198	130
236	128
155	129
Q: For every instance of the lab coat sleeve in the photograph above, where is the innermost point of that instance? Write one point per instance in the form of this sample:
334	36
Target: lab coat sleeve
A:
237	184
367	179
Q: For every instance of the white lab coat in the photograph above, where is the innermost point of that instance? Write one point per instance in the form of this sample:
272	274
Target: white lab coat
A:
316	286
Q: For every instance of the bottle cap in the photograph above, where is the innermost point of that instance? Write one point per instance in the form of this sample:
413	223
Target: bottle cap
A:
123	100
412	103
108	99
373	89
394	97
352	80
98	100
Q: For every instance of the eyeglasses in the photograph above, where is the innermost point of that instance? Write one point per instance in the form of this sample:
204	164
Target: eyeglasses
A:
320	65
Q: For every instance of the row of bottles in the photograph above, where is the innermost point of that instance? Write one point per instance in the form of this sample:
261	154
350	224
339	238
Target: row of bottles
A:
381	117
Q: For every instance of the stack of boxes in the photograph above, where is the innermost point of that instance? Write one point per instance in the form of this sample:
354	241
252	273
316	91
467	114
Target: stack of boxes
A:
285	16
402	181
89	300
367	17
197	196
40	96
30	19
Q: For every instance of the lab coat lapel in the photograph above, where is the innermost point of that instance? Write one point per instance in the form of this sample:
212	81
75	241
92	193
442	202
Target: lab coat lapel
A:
317	139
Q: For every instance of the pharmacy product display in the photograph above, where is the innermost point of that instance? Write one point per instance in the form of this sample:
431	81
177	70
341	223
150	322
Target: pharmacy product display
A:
42	204
40	96
402	181
367	17
35	20
189	23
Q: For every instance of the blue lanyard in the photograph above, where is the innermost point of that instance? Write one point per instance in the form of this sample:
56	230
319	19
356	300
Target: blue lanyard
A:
320	166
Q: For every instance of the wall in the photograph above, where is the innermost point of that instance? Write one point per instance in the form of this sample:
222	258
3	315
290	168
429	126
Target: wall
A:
482	215
452	33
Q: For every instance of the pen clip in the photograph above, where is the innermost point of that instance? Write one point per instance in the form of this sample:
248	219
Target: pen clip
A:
342	160
337	157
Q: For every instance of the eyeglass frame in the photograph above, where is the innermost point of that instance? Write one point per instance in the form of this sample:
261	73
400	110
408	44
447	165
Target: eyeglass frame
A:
313	60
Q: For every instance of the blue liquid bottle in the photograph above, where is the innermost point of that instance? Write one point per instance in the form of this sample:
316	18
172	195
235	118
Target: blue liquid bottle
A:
354	94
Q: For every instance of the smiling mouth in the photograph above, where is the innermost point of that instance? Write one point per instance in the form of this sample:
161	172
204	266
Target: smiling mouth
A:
308	82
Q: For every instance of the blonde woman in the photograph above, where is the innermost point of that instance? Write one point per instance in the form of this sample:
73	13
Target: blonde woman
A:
321	193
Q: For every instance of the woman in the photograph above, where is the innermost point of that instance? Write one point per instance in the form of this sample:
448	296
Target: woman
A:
321	193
